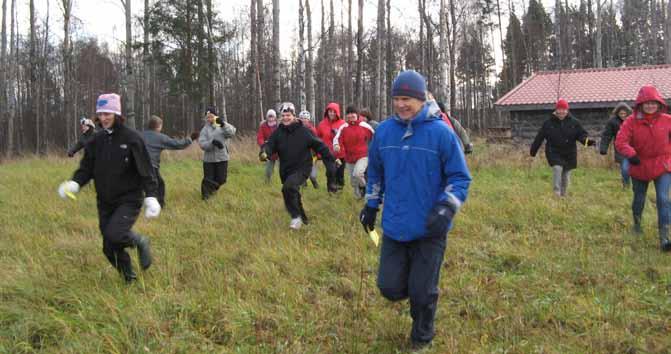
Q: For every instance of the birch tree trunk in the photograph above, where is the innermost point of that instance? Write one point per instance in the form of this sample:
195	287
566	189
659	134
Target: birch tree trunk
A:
598	56
310	60
68	115
359	57
129	80
442	57
146	61
277	96
301	56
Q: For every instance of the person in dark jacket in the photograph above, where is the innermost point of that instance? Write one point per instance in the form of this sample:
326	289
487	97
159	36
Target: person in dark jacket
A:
306	118
619	114
88	129
416	165
645	140
294	143
118	161
214	139
561	131
156	142
461	132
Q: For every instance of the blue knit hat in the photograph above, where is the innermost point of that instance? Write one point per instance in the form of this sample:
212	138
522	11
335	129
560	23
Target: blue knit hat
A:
411	84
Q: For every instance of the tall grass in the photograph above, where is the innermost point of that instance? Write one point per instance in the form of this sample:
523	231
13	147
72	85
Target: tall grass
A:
524	271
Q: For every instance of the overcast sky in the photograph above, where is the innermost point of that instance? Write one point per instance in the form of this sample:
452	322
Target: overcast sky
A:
104	19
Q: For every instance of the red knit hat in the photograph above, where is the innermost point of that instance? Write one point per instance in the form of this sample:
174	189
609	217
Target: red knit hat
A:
562	104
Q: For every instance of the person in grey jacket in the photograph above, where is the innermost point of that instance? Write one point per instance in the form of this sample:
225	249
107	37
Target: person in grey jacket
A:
214	139
88	129
156	142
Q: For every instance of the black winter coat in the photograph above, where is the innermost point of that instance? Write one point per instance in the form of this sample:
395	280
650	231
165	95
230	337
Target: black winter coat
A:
609	133
561	136
294	145
83	140
120	165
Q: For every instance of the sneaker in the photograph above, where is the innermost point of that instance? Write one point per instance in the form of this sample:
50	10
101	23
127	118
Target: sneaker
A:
296	223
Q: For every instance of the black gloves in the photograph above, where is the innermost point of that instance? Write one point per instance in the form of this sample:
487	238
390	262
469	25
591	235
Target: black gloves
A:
71	154
468	149
439	219
219	121
367	218
634	160
218	144
591	142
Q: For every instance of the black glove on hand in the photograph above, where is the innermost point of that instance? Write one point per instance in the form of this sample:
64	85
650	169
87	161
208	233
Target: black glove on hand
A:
263	157
71	154
367	218
634	160
591	142
602	152
218	144
219	121
439	219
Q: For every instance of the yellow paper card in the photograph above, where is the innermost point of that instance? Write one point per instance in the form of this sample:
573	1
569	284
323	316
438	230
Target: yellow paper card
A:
375	237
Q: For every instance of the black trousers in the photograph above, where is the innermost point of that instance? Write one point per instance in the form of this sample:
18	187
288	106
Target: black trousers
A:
412	270
340	174
161	187
115	223
291	185
214	175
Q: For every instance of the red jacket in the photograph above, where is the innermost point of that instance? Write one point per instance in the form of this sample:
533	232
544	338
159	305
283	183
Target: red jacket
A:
647	136
311	127
326	130
354	139
264	133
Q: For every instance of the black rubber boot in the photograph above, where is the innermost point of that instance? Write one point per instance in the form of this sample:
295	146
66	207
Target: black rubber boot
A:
143	250
664	242
127	273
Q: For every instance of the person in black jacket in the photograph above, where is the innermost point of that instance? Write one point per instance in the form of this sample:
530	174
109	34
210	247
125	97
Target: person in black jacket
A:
118	161
561	131
619	114
294	143
88	129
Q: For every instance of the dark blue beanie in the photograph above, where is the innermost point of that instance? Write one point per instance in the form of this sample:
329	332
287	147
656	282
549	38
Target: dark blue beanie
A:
411	84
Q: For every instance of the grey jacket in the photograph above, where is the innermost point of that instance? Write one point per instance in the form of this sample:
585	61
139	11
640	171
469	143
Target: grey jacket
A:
157	142
223	134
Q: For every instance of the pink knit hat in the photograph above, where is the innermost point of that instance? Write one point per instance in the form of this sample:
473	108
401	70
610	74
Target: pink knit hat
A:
109	103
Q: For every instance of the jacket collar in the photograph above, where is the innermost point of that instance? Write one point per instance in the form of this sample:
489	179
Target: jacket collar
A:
426	114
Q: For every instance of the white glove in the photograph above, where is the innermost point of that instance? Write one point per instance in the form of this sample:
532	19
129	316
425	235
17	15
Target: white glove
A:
151	208
336	148
68	187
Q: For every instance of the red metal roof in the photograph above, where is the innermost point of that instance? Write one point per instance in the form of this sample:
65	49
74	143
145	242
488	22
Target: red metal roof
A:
588	85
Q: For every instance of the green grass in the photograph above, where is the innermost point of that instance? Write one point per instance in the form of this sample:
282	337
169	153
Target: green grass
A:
524	271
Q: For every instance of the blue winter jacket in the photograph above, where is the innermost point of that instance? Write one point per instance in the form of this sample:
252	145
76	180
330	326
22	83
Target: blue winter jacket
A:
412	166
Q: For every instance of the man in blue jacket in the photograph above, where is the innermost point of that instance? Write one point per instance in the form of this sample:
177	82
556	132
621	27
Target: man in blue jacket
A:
416	165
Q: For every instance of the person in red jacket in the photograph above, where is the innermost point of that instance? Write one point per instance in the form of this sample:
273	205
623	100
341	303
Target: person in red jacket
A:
645	139
266	129
326	131
306	118
353	138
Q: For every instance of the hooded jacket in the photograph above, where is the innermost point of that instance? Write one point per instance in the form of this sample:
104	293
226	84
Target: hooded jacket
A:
327	130
411	167
647	136
208	134
610	131
294	144
354	138
561	136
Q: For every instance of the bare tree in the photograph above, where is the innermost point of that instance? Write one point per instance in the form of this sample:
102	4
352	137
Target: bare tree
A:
350	54
667	37
32	74
257	112
129	77
309	65
277	96
359	57
330	78
13	62
598	56
147	64
379	63
68	114
301	56
3	65
443	88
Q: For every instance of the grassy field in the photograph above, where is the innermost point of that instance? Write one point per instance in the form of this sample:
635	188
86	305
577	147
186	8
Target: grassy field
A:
524	271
